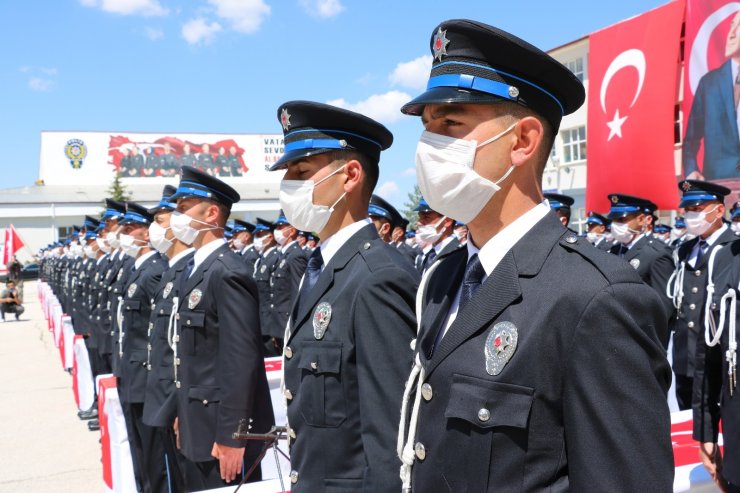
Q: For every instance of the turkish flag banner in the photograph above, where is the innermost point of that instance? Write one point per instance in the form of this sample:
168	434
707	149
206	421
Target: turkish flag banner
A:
633	87
711	147
13	243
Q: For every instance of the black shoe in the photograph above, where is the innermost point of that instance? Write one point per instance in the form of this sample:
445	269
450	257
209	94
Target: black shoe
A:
93	425
82	412
91	413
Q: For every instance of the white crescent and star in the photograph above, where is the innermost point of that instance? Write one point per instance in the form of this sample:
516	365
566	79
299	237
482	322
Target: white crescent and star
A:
698	54
628	58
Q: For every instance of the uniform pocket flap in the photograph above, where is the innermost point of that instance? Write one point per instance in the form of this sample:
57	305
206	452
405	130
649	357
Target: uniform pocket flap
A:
489	404
192	319
202	393
138	356
322	357
131	305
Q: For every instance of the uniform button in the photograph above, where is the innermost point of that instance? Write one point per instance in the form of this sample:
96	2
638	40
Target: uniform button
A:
294	477
314	365
272	306
426	392
413	344
288	394
177	384
205	402
161	311
691	325
692	306
177	361
713	306
154	306
697	273
484	414
420	451
177	316
187	323
288	352
149	347
112	333
149	367
694	290
571	239
366	246
176	338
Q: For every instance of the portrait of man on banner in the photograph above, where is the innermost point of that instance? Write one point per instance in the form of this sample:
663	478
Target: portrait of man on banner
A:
711	148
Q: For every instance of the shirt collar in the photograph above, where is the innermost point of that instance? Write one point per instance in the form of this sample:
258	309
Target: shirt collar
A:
174	260
711	239
439	246
497	247
330	246
143	259
206	250
285	248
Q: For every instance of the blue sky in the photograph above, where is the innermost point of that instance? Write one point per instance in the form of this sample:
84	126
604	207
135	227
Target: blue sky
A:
224	66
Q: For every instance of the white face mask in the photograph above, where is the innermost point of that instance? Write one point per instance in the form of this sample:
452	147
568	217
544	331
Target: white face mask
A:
157	235
444	170
129	245
113	240
296	200
183	231
102	245
428	233
735	226
258	243
594	237
280	237
89	252
239	244
623	233
696	222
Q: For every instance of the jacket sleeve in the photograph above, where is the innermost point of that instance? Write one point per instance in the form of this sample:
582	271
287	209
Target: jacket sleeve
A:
616	417
385	324
239	349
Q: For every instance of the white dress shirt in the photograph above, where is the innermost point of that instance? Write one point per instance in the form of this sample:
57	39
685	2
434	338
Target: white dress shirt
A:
330	246
202	253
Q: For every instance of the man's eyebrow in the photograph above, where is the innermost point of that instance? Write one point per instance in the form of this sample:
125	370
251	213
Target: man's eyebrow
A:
444	111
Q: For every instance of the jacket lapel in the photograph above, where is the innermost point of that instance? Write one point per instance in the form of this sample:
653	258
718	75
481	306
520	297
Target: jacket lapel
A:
326	279
502	287
198	275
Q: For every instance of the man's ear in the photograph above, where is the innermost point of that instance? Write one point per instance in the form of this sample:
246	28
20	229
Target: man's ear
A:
354	173
529	132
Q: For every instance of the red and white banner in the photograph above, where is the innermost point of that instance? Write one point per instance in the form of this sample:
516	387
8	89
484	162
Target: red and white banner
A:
12	244
633	86
711	145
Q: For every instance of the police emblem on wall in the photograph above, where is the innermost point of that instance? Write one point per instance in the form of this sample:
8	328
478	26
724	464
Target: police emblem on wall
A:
500	346
321	319
76	152
195	296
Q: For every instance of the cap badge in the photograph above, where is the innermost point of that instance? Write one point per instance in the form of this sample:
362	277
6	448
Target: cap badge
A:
195	296
167	290
635	263
321	319
500	346
131	290
615	199
686	186
440	44
285	119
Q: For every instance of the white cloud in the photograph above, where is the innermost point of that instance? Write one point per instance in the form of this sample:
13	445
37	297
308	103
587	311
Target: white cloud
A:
245	16
409	172
322	8
128	7
413	74
154	34
200	31
25	69
388	189
40	84
385	108
48	71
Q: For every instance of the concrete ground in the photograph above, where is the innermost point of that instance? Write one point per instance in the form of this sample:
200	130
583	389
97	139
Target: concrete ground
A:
44	447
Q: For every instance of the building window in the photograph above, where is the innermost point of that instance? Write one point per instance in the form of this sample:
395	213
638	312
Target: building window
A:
576	66
64	231
574	144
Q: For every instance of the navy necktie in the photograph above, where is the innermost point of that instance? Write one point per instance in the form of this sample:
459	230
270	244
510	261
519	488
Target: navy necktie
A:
474	274
429	258
702	250
313	270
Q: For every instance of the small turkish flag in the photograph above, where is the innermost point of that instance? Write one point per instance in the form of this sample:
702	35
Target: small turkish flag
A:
633	84
13	243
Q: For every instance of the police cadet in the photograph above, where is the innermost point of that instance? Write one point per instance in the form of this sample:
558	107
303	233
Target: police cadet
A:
735	218
679	232
651	258
221	373
662	232
538	367
561	205
244	242
263	268
284	281
597	226
347	350
133	340
137	162
387	219
205	160
160	406
435	230
704	206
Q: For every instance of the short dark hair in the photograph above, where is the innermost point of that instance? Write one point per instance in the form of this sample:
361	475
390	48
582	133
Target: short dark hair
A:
518	112
369	165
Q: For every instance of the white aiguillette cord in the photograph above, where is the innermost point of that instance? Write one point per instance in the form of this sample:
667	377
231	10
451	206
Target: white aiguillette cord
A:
713	332
676	282
119	319
172	334
405	450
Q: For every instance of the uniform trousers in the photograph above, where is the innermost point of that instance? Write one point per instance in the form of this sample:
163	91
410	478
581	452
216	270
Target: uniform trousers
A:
684	389
207	475
147	450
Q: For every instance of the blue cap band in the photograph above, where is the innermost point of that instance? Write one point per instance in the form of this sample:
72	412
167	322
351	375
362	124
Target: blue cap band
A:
594	220
136	218
625	208
375	210
198	190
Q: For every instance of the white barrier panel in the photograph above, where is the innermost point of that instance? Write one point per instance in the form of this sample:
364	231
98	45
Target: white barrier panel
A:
274	369
68	334
83	375
122	467
57	314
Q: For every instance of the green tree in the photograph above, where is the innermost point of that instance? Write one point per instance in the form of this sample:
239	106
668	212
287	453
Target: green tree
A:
412	203
117	190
